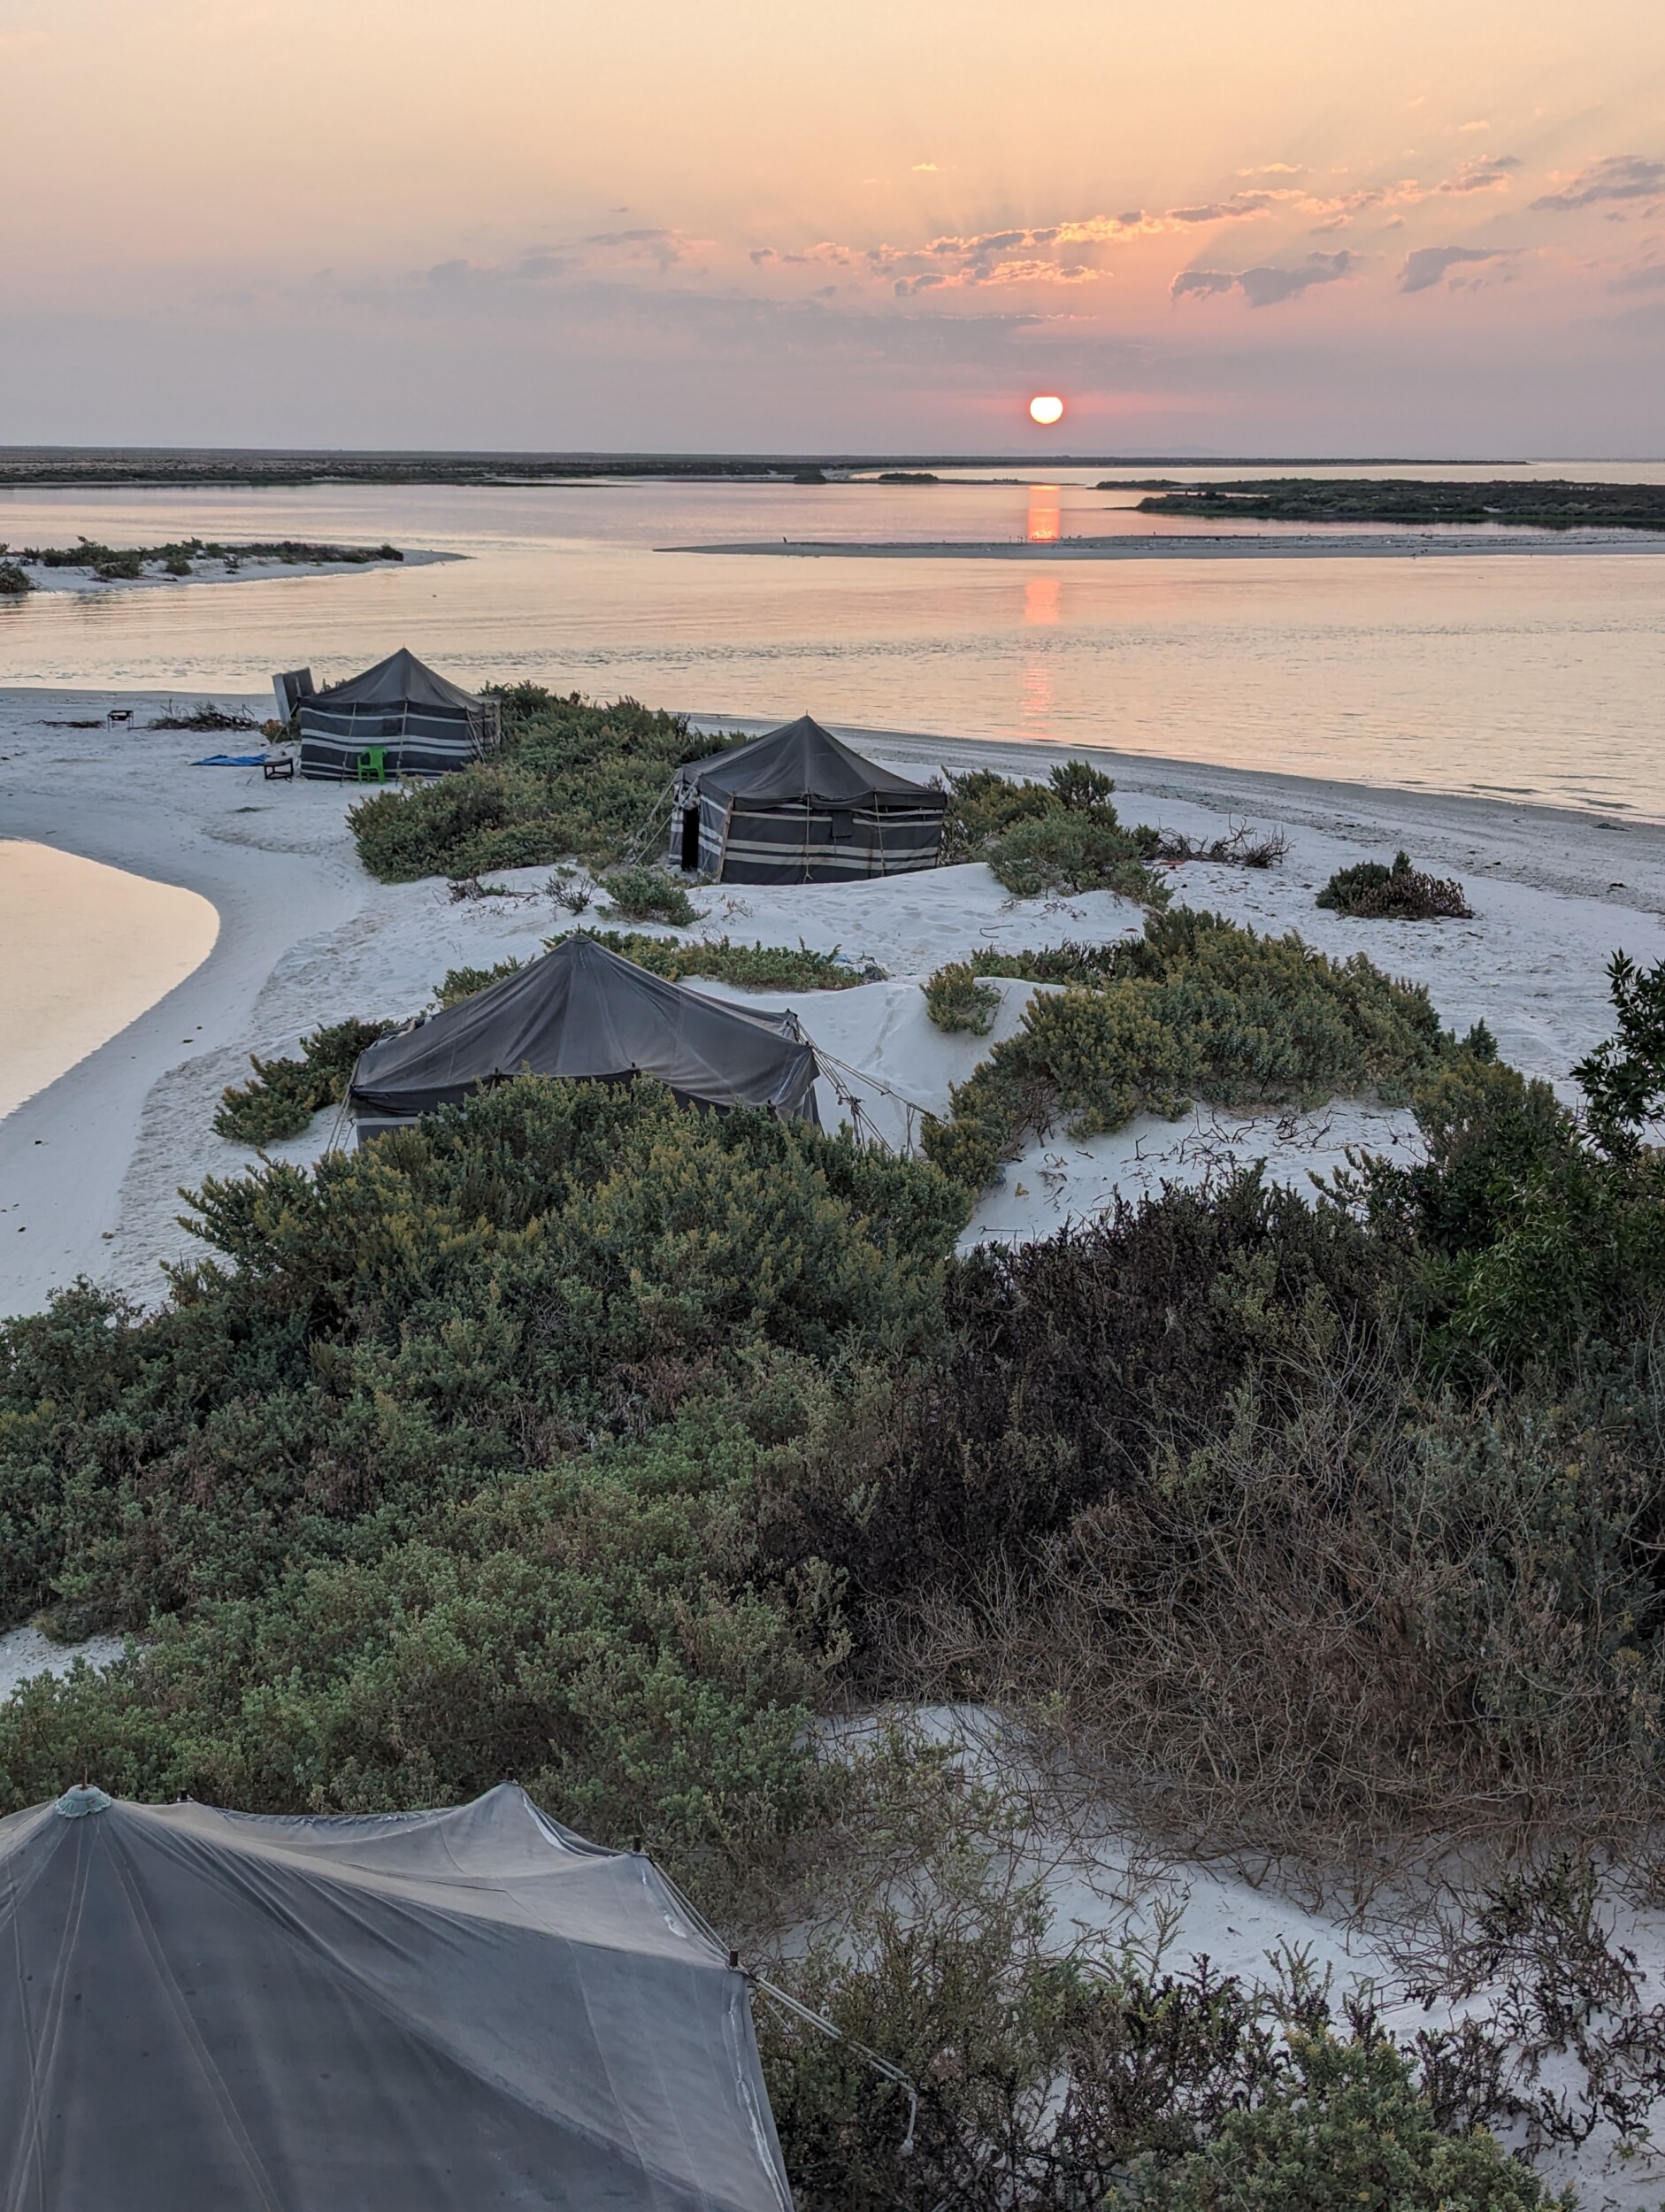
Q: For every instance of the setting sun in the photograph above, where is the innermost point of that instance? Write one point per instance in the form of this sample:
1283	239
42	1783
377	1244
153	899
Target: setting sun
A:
1046	408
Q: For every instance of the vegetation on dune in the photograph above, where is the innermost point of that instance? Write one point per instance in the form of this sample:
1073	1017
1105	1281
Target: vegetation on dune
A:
283	1096
14	579
117	564
570	778
751	967
1401	893
1196	1008
591	1438
648	895
1063	835
1558	503
1056	2083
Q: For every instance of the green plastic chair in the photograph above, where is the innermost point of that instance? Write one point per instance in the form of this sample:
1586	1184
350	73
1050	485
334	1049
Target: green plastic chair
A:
373	764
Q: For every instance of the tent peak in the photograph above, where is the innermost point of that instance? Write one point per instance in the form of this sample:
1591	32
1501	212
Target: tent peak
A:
84	1799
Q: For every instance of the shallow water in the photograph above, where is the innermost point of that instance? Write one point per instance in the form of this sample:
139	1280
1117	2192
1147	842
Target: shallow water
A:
87	951
1533	678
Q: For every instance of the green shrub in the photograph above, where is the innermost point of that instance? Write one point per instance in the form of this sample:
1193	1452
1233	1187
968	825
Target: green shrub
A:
956	1001
1067	963
586	1627
1624	1079
982	806
1195	1008
1068	850
15	580
1059	2082
751	967
1402	892
461	983
648	895
390	1327
286	1094
1344	2125
570	778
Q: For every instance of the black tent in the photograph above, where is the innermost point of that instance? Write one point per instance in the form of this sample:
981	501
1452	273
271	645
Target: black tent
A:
423	724
409	2012
800	806
582	1011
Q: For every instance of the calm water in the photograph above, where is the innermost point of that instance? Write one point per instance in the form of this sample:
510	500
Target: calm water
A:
89	949
1540	678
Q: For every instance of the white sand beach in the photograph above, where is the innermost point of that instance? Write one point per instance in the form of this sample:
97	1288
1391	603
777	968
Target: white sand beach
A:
92	1163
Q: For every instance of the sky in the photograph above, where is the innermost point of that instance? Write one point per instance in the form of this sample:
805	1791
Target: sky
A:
1429	228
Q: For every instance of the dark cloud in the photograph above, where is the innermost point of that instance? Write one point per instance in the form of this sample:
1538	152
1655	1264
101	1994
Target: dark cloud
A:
1202	281
1268	287
1616	177
1240	203
1484	174
1428	264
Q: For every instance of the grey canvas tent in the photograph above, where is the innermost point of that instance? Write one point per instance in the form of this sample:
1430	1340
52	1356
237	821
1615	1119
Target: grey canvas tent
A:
800	806
583	1012
423	724
414	2012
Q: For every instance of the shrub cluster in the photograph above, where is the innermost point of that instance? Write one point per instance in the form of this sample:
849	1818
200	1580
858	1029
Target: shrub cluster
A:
569	777
284	1094
1195	1008
957	1001
1401	893
1057	2084
648	895
14	579
751	967
451	1441
1063	835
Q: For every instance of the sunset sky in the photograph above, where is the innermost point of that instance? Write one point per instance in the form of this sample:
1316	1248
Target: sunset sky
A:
1298	226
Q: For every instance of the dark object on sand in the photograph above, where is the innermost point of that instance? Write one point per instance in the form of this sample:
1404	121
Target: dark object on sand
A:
800	806
204	720
422	723
581	1011
1400	893
405	2012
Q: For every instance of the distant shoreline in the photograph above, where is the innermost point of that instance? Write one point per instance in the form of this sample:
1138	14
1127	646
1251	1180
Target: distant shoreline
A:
1245	545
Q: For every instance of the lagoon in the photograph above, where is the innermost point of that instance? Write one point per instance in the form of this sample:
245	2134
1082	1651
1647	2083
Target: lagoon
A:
87	949
1516	678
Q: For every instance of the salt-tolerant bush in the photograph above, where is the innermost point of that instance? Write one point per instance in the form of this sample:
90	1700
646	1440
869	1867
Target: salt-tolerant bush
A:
752	967
648	895
284	1094
1066	851
571	778
958	1002
1195	1008
1402	892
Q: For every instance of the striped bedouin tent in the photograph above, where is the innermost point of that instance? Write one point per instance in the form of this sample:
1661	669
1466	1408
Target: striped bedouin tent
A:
421	724
799	806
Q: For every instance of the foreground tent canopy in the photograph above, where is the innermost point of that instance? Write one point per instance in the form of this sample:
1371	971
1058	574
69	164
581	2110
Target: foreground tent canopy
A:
423	724
800	806
583	1012
415	2012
